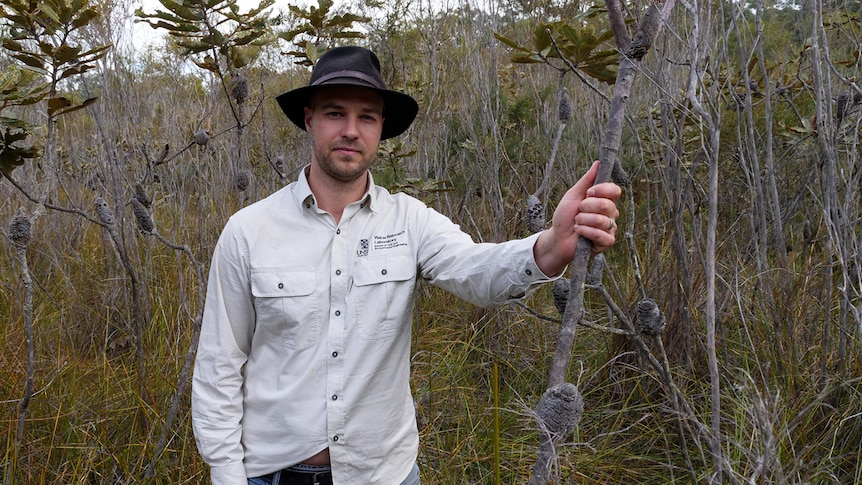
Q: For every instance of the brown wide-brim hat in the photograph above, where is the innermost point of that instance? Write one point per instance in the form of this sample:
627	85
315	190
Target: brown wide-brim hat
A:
352	66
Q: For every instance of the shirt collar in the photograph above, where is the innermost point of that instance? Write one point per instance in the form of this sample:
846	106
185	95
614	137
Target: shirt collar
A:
305	197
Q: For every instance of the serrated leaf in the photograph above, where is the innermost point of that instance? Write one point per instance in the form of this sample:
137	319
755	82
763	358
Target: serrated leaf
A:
57	103
208	63
12	45
47	11
30	60
84	18
526	58
87	102
509	42
541	39
248	38
67	54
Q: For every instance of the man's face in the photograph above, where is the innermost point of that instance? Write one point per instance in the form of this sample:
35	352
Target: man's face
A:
345	123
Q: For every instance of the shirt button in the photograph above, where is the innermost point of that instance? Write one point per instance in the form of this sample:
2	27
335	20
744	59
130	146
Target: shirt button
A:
337	313
383	272
529	272
335	438
280	286
335	354
338	272
308	206
338	231
334	397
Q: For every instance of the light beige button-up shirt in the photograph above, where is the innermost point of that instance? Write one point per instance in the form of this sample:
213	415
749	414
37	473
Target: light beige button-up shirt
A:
306	330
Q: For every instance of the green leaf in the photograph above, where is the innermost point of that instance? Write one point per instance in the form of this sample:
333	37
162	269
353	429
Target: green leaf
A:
66	54
87	102
541	39
208	63
57	103
30	60
47	11
84	18
12	45
509	42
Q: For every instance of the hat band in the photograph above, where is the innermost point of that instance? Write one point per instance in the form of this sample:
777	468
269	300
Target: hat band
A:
354	74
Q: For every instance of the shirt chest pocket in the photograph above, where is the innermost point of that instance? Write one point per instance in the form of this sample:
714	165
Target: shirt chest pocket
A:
383	295
286	306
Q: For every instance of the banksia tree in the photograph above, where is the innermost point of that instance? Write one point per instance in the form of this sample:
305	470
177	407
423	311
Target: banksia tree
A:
585	52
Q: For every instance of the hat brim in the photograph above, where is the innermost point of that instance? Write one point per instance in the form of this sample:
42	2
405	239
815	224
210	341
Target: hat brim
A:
398	113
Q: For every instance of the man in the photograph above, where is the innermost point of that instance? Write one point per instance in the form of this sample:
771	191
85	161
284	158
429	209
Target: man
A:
302	373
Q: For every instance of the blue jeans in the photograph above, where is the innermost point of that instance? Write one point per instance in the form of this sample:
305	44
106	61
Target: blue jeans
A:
412	479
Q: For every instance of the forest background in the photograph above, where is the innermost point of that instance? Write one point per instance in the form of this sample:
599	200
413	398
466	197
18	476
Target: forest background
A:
740	220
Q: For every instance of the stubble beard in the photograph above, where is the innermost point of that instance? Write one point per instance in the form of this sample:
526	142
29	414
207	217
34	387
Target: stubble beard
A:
340	168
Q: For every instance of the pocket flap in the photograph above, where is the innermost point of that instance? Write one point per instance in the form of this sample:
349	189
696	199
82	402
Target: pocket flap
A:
371	271
281	282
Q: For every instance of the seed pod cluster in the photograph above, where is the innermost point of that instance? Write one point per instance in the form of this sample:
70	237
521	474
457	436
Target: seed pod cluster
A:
650	319
279	163
594	276
20	229
142	196
534	214
142	216
241	180
560	409
104	211
202	137
619	175
560	292
239	88
646	33
565	108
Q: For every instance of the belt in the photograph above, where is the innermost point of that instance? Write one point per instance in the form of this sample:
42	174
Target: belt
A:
290	477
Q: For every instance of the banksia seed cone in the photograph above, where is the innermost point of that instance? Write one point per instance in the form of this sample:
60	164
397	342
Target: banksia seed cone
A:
594	277
534	215
142	215
842	105
103	211
619	175
279	163
560	292
20	229
142	196
239	88
650	319
241	180
163	154
560	409
565	110
645	35
202	137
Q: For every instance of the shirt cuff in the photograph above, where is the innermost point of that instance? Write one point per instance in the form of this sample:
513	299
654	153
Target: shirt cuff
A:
530	273
233	474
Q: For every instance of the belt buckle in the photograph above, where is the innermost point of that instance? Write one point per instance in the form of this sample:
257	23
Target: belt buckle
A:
314	479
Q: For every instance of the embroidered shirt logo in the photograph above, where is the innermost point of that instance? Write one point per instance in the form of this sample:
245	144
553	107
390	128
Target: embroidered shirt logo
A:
390	241
363	248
